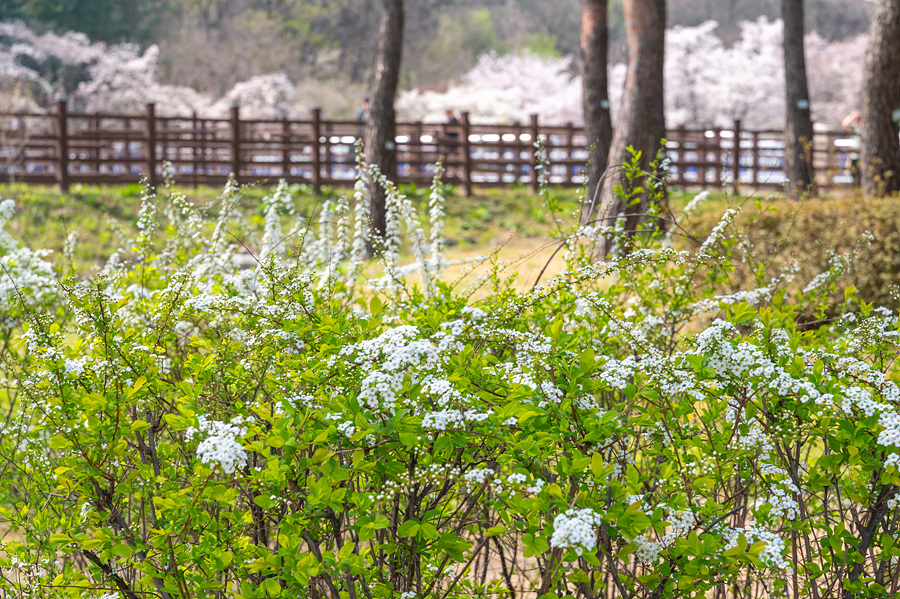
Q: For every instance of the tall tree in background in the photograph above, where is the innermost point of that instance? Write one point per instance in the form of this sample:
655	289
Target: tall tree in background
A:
880	125
641	123
597	125
101	20
381	150
798	131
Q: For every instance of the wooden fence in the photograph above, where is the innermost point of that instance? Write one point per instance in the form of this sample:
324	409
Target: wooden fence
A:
64	148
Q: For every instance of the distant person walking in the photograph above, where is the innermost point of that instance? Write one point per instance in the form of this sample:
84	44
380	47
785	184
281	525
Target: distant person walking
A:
451	132
363	115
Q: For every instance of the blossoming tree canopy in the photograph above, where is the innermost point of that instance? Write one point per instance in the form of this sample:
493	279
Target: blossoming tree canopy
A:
708	83
120	78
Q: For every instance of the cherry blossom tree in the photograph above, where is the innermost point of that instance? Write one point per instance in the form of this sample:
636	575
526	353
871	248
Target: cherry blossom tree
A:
689	51
708	84
35	69
835	72
506	89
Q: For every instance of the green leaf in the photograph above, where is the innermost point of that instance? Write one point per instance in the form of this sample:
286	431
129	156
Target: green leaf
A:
494	531
345	551
429	531
750	410
375	306
409	528
597	464
139	426
92	544
122	550
61	538
579	576
272	587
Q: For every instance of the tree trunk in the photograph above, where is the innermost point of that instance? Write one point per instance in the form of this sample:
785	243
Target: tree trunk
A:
597	123
798	131
881	103
641	123
380	135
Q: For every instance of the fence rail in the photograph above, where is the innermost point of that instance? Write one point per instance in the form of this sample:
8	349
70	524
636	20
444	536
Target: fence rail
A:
63	148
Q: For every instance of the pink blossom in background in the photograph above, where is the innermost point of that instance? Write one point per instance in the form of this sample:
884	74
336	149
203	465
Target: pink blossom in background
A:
707	83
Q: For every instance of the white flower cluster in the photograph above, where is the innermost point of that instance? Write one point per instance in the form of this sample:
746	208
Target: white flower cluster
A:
346	428
893	459
487	476
443	420
576	529
222	443
681	523
618	373
838	262
717	232
783	504
430	474
447	419
773	553
478	475
696	201
392	357
75	366
27	277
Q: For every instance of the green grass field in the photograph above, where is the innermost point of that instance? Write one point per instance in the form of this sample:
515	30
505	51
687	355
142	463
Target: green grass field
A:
102	215
513	222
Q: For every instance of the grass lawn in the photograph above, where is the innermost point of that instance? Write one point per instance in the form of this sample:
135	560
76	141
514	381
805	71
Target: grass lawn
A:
511	222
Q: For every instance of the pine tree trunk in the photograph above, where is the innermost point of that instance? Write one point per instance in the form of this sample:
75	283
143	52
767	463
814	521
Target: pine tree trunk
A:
798	131
597	123
641	123
880	126
380	135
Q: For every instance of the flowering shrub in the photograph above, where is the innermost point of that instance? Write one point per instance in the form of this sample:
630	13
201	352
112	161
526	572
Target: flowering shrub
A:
180	427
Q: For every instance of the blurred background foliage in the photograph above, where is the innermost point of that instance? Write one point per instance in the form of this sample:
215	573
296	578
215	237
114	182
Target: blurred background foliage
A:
211	45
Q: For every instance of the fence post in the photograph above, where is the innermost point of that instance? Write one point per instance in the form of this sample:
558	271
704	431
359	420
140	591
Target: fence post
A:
736	159
94	128
755	157
203	154
317	149
466	154
535	137
682	157
718	157
151	143
236	141
62	115
415	150
196	139
285	148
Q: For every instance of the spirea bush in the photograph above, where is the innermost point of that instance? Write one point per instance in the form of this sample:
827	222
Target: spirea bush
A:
179	427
